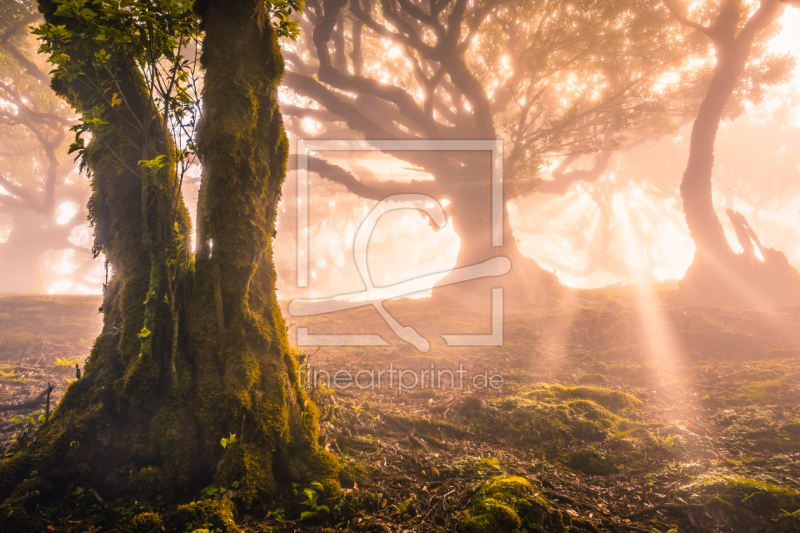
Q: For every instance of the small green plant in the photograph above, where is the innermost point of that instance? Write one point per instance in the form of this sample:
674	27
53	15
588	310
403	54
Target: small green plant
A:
29	421
227	442
63	361
279	515
213	491
312	494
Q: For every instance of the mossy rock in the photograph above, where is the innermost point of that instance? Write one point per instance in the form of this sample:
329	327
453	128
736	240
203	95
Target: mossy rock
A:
745	499
141	523
610	399
206	515
555	416
792	428
593	462
473	466
505	504
214	515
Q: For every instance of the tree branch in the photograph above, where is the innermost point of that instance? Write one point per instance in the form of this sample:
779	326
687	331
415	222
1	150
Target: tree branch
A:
377	191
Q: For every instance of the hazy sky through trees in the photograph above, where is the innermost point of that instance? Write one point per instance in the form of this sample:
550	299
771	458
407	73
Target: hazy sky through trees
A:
581	235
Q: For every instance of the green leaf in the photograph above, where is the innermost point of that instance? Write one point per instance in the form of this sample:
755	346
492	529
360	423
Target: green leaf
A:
154	164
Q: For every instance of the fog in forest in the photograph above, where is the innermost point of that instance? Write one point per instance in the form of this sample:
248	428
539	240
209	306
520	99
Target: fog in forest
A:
395	266
619	222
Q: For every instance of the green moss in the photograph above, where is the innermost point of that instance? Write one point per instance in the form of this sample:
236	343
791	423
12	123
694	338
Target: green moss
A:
743	497
472	466
502	504
591	461
148	480
509	504
250	466
551	417
621	331
214	515
353	473
141	523
608	398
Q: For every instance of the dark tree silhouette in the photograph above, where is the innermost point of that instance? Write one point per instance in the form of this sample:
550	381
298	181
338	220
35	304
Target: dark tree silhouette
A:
551	79
717	274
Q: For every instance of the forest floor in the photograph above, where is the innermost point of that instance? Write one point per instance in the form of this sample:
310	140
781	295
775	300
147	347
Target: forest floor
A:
619	410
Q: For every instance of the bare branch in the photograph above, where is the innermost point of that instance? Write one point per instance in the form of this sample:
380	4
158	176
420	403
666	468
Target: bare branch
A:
376	191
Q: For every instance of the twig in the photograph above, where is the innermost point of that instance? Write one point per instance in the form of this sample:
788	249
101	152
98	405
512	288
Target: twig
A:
21	499
30	402
47	409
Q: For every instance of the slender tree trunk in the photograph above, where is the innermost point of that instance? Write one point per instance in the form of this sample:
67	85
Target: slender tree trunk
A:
717	275
704	225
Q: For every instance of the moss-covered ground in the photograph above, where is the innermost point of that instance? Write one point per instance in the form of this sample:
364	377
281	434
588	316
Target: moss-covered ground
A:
617	412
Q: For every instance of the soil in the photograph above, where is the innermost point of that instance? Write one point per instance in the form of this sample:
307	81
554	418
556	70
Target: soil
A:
619	410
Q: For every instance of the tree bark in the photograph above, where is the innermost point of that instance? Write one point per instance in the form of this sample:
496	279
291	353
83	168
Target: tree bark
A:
467	185
246	373
717	275
188	358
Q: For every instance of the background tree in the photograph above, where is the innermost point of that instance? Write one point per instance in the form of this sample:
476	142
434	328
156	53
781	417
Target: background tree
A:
717	274
580	232
186	357
554	80
43	203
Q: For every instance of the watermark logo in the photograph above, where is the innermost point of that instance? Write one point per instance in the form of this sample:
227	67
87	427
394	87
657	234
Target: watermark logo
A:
496	266
403	379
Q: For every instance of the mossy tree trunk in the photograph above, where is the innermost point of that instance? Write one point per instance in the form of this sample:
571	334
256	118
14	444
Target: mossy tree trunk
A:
186	356
246	373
